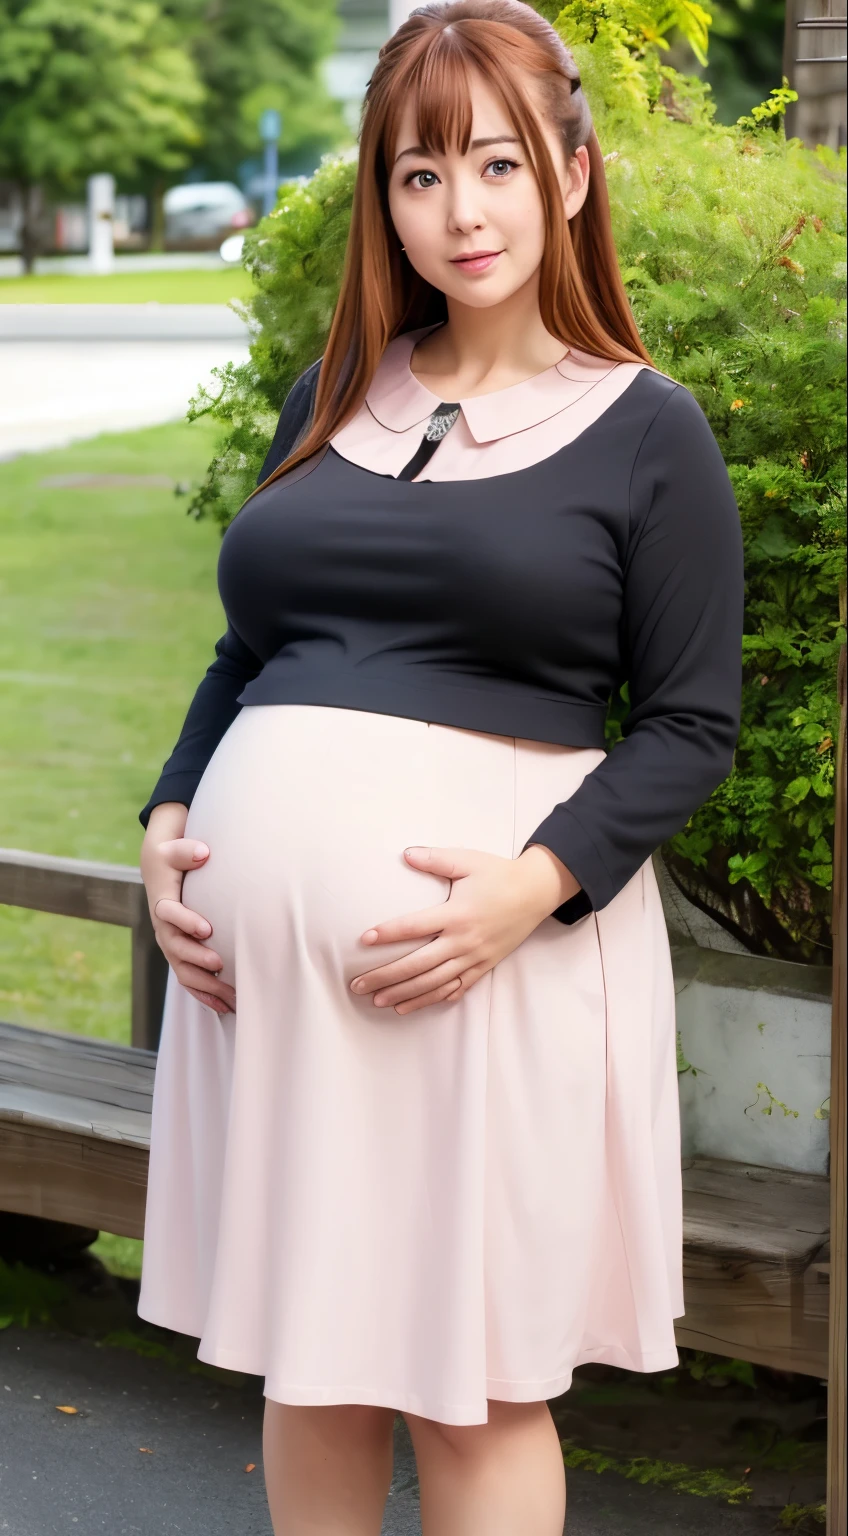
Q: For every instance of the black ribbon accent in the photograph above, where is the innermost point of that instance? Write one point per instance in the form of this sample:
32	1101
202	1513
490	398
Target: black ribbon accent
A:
438	427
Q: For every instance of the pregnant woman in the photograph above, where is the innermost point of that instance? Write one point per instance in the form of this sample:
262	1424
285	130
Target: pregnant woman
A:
415	1141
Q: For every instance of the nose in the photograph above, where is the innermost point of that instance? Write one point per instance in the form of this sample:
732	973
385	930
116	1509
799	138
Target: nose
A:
465	205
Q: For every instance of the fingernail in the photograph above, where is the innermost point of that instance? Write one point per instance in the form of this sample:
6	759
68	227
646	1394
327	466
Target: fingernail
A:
200	851
204	930
370	936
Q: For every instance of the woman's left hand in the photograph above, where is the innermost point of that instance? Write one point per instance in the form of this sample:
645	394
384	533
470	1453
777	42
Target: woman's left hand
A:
494	904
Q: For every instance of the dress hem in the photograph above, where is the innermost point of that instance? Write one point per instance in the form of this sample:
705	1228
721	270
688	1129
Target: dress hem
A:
498	1389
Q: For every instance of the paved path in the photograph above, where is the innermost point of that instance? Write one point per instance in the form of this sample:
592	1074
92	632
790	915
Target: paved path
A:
56	392
85	1474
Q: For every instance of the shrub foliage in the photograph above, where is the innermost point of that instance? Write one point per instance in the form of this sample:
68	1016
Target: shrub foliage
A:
732	247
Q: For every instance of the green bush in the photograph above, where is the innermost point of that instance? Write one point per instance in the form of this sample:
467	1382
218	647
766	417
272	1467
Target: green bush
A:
732	246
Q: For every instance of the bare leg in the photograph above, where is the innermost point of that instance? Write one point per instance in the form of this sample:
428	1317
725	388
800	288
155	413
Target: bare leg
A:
504	1478
327	1469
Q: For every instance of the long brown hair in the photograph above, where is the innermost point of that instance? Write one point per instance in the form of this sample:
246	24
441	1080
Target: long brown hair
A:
582	298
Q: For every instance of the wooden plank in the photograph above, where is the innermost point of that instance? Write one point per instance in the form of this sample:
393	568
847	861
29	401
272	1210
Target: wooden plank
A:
73	1178
740	1212
77	1066
755	1311
754	1286
103	893
837	1443
62	1112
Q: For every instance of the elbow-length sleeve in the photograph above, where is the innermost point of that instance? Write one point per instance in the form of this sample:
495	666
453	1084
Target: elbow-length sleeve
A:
681	639
214	706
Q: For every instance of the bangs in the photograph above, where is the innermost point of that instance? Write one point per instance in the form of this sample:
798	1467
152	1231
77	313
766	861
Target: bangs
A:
439	80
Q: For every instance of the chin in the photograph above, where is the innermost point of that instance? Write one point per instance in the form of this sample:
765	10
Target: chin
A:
477	295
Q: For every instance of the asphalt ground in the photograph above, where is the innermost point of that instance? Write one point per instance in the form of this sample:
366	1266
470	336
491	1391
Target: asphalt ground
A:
153	1449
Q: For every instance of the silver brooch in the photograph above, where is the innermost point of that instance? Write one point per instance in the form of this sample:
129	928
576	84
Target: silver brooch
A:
438	425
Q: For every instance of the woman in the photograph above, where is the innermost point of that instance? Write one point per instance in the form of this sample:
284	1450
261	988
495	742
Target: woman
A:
415	1138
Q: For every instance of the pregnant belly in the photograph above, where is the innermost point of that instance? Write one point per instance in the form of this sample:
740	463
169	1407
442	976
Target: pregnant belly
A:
306	812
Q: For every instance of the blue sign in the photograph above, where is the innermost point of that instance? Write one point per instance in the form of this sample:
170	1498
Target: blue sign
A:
270	126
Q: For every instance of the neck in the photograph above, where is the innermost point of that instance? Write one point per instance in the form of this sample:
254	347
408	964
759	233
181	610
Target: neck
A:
481	349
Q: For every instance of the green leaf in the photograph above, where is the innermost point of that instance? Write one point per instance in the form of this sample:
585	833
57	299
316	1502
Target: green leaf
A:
775	540
798	790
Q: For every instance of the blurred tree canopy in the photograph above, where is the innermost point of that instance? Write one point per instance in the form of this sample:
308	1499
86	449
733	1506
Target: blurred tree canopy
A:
256	54
146	88
91	85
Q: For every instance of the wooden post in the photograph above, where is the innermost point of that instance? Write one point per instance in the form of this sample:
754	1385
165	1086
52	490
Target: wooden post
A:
837	1501
149	979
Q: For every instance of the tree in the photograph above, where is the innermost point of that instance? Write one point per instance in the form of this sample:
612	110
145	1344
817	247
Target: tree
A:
256	54
746	53
90	85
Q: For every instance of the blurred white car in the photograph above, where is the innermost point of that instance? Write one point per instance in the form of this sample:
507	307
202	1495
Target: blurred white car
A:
199	215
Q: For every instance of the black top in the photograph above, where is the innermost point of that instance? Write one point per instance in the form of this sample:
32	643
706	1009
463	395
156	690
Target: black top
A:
513	605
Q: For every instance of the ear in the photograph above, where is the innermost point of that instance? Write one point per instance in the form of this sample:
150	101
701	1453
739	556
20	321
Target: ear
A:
577	188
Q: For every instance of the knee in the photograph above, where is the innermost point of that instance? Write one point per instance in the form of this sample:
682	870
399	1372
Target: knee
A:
470	1440
353	1424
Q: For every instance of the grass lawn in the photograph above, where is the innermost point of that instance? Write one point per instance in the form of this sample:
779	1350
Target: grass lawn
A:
192	287
109	612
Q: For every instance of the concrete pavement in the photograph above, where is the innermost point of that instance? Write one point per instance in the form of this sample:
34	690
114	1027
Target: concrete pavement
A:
56	392
69	371
121	322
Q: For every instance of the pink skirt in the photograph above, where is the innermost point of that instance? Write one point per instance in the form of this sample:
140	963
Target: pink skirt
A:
419	1211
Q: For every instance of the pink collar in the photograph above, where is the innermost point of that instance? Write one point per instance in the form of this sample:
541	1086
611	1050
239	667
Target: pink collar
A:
398	400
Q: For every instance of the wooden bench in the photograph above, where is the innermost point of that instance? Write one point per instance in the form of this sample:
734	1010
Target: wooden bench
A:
76	1126
75	1130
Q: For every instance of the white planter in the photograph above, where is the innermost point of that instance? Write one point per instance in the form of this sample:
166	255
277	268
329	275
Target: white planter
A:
744	1021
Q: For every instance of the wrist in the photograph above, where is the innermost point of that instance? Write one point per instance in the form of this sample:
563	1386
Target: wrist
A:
167	820
550	882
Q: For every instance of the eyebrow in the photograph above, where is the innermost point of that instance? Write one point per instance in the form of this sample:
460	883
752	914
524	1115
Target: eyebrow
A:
499	138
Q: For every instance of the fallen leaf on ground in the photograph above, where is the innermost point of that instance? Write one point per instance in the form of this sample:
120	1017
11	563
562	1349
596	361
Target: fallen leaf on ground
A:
251	1466
65	1408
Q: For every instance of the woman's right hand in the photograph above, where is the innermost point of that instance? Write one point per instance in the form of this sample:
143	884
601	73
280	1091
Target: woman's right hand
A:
165	855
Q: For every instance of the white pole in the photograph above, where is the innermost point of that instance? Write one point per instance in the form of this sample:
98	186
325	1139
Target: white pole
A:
101	214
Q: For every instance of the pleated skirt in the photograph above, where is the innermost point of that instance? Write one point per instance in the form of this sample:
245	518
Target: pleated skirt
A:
421	1211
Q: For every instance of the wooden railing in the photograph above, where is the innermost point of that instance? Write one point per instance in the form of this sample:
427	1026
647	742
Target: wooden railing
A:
103	893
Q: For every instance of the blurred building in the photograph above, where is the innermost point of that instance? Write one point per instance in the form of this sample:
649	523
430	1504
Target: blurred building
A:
365	25
814	60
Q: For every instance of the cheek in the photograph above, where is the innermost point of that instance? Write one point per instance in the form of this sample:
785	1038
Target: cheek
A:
523	227
417	228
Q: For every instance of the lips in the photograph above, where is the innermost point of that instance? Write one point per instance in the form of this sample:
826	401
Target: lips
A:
475	261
